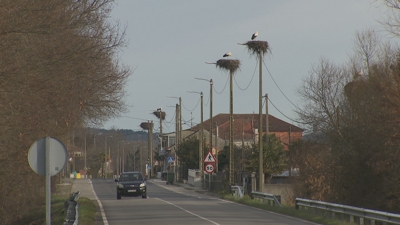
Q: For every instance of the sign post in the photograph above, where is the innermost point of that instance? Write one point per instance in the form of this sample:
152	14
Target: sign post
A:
209	166
47	157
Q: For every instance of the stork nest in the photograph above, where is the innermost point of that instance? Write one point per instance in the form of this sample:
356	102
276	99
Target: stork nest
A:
157	113
146	126
228	64
257	47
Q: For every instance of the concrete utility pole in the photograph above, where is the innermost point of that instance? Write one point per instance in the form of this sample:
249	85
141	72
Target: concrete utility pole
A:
178	138
211	108
260	144
231	152
216	147
151	145
259	48
201	154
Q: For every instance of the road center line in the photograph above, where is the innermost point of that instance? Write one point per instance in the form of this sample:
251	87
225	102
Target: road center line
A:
194	214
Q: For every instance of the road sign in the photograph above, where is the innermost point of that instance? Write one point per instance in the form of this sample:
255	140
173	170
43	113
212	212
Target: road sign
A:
57	156
209	168
209	158
171	159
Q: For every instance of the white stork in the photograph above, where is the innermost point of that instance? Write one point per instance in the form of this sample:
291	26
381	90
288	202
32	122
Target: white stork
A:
227	54
254	35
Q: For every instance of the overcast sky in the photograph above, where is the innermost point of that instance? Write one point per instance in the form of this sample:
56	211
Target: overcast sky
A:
170	41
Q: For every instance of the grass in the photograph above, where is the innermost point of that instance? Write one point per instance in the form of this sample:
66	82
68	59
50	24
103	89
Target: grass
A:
285	210
87	211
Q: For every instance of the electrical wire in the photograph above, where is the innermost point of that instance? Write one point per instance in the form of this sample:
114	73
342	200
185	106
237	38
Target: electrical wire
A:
222	89
208	100
283	113
278	85
243	89
193	108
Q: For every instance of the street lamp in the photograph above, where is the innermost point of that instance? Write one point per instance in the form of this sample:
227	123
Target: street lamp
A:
211	120
201	154
105	157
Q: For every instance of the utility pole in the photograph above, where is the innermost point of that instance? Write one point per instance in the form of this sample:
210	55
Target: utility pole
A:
151	146
216	147
231	152
201	154
260	144
211	108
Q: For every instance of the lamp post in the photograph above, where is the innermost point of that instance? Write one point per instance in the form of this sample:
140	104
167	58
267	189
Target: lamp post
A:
105	158
178	137
211	120
201	154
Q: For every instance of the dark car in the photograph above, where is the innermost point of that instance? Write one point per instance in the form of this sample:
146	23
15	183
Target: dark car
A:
131	184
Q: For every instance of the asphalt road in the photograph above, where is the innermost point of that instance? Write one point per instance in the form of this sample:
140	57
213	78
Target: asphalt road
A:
174	205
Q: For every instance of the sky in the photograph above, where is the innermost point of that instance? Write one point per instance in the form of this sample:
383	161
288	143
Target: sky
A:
169	43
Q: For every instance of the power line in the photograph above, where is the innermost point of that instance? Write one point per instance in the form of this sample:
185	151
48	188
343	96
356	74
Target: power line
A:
243	89
223	88
283	113
193	108
278	85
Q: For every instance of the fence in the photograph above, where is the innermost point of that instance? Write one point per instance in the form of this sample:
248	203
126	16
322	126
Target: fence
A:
275	200
353	213
71	206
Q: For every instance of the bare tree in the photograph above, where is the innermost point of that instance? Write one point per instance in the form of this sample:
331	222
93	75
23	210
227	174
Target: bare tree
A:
59	70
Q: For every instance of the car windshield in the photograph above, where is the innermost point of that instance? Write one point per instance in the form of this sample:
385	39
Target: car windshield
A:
130	177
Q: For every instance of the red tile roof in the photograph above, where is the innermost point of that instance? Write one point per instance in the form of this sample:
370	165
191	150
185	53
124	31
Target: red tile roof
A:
244	125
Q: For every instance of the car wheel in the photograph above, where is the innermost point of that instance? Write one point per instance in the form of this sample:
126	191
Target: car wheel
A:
118	196
144	196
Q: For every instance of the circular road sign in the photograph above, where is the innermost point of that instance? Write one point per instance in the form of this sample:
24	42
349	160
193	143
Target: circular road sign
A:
209	168
37	156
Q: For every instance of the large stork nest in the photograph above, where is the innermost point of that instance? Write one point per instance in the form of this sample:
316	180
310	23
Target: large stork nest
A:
146	126
228	64
257	47
158	114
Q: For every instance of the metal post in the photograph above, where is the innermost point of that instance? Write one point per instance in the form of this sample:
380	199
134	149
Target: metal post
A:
105	158
85	157
48	182
211	116
201	142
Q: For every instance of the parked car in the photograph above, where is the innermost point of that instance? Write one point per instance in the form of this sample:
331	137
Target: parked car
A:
131	184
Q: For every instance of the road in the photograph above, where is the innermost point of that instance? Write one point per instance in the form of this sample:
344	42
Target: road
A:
174	205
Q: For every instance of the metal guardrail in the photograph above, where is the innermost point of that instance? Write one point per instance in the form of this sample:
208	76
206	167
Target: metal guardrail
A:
351	211
237	191
265	196
71	206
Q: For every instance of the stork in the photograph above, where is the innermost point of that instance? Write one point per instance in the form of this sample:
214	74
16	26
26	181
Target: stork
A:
254	35
227	54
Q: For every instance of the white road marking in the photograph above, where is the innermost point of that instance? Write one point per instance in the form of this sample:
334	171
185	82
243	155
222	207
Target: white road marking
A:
103	214
177	191
194	214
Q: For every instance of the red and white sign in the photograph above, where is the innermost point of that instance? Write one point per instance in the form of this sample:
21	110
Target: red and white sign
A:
209	158
209	168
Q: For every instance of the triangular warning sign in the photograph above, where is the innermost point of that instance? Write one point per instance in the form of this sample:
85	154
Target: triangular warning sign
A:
209	158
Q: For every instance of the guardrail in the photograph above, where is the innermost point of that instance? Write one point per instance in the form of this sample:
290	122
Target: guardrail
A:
71	206
270	198
238	191
352	212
